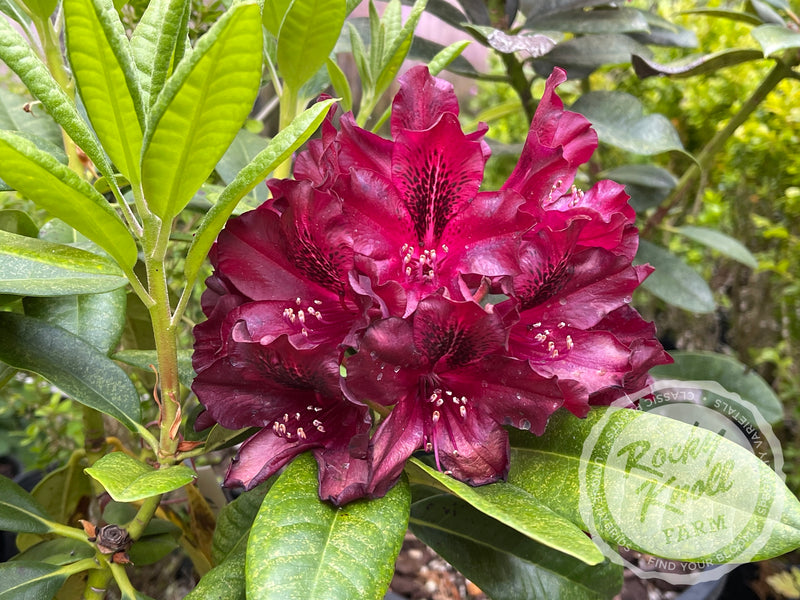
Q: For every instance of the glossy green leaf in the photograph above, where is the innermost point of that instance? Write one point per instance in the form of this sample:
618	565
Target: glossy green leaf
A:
731	374
580	56
234	522
720	13
42	9
341	85
35	121
127	479
692	65
60	492
202	107
13	10
58	551
32	267
664	33
30	580
446	56
226	580
153	44
301	547
23	60
307	35
674	281
57	189
766	13
245	147
397	49
73	365
279	149
620	121
647	185
623	490
144	358
518	510
19	511
603	20
103	67
774	38
720	242
505	564
18	222
95	318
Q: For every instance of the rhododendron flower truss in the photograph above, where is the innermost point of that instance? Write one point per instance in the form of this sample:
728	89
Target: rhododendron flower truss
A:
452	312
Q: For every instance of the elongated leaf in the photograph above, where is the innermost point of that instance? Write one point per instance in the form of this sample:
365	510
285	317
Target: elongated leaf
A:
647	185
731	374
153	42
38	123
307	35
32	267
674	281
95	318
24	580
57	189
19	511
518	510
580	56
127	479
720	13
202	107
273	15
397	49
245	147
278	150
446	56
722	243
501	561
695	65
74	366
340	84
605	472
226	580
18	222
774	38
604	20
144	358
301	548
234	522
102	65
20	58
13	10
58	551
620	121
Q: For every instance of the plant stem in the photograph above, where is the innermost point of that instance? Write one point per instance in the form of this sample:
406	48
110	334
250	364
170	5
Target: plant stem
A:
520	83
289	110
704	158
96	584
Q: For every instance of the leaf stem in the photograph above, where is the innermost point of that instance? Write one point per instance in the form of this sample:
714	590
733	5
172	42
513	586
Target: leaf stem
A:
289	110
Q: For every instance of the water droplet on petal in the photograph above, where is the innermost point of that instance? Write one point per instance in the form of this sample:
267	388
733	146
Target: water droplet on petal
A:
484	384
379	377
562	301
397	369
525	425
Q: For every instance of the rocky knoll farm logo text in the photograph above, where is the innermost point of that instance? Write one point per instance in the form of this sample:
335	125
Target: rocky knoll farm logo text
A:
682	477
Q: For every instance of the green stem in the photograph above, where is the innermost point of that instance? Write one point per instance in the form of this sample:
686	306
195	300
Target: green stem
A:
143	516
288	111
127	590
706	155
520	83
96	584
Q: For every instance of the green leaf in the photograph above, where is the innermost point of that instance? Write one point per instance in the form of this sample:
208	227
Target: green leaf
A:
397	49
127	479
279	149
731	374
41	8
518	510
95	318
301	547
307	35
720	13
68	362
13	10
674	281
720	242
505	564
32	267
580	56
234	523
647	185
21	58
144	358
60	191
152	45
202	107
34	121
60	492
446	56
18	222
273	14
602	20
692	65
774	38
226	580
341	85
58	551
620	121
103	67
30	580
19	511
245	147
593	471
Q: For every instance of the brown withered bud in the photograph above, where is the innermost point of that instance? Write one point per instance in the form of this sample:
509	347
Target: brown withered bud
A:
110	539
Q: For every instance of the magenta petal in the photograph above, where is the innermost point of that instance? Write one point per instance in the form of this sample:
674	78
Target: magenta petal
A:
362	150
421	101
342	476
557	143
438	172
260	457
